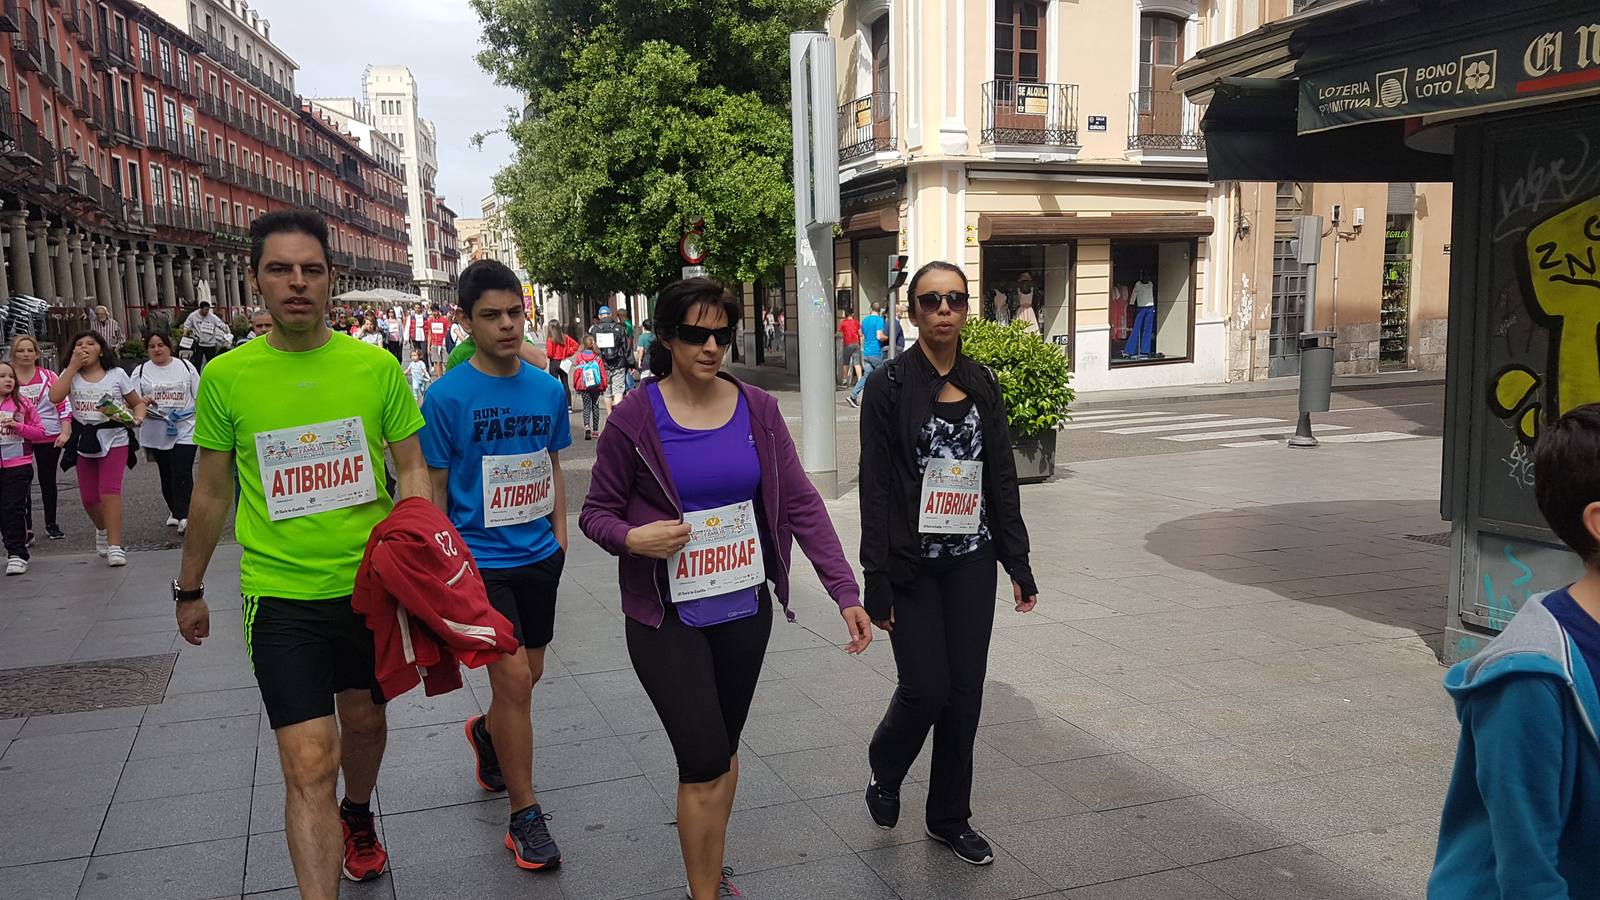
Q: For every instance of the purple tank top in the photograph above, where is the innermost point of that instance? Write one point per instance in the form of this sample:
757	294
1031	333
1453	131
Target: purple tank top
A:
711	468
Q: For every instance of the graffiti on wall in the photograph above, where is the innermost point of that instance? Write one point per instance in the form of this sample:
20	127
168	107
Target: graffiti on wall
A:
1561	265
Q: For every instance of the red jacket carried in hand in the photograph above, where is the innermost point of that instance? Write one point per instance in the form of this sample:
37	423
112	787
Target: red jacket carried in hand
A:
424	601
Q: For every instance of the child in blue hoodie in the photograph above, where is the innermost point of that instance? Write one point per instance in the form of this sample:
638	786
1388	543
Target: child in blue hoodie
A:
1522	817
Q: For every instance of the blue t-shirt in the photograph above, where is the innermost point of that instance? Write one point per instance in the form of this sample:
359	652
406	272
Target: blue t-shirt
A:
471	415
870	326
1584	629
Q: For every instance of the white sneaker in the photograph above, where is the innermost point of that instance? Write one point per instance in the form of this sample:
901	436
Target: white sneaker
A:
115	556
183	526
171	521
16	565
100	543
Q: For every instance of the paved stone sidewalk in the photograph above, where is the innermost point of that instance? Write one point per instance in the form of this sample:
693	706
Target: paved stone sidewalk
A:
1227	691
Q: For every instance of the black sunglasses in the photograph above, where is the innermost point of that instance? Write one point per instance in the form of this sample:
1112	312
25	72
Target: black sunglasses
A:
697	334
931	301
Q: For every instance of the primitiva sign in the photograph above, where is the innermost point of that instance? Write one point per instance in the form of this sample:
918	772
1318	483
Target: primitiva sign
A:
1556	56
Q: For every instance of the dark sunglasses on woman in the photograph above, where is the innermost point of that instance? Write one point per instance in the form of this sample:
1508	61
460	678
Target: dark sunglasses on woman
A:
931	301
697	334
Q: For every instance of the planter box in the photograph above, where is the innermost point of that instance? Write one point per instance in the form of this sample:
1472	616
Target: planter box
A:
1035	456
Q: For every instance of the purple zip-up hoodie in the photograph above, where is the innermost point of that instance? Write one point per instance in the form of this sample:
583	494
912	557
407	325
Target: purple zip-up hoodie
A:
631	487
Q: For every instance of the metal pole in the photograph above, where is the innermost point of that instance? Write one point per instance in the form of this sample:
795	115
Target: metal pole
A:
813	253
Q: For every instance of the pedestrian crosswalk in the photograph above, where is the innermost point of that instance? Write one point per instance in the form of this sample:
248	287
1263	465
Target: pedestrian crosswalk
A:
1221	429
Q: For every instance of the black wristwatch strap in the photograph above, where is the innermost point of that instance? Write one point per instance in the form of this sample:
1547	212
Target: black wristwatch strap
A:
180	595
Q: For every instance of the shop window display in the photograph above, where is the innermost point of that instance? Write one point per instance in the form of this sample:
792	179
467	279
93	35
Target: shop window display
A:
1029	283
1151	301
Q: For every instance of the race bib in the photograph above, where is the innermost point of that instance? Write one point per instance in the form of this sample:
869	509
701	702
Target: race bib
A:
168	394
952	497
723	554
605	340
32	392
315	468
517	488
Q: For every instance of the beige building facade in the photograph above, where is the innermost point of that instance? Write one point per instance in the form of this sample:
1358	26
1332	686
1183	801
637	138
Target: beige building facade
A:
1039	144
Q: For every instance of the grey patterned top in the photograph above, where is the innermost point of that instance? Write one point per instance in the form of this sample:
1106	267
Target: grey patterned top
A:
954	431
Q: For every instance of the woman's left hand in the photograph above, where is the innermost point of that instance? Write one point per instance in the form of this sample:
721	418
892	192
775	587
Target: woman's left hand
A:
1024	604
860	628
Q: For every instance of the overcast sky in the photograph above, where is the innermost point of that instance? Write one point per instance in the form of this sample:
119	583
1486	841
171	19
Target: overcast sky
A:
334	40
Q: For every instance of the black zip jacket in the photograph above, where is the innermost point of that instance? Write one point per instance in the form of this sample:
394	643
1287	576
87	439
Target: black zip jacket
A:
898	399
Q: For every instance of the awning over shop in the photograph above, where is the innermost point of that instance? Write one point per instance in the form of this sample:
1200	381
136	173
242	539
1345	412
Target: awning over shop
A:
1035	229
874	223
1281	96
1250	136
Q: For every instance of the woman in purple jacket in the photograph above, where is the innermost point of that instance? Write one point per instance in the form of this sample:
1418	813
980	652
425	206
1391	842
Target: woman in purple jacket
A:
698	492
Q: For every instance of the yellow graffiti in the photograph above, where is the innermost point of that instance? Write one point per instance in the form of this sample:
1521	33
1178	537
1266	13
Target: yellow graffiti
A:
1564	272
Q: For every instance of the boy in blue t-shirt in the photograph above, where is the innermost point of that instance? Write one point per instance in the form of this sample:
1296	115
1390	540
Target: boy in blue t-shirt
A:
1522	816
496	429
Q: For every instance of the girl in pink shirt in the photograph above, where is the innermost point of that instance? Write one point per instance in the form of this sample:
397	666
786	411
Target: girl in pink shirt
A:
34	382
20	428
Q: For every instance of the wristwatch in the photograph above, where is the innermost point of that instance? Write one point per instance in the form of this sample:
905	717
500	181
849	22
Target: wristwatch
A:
179	595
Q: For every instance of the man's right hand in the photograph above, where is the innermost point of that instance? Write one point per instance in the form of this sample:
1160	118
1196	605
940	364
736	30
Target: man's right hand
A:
658	540
194	621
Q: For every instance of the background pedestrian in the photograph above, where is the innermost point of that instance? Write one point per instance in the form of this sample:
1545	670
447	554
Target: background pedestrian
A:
34	382
20	429
169	387
106	407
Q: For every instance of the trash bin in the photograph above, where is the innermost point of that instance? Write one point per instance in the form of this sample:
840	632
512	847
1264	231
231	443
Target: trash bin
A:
1316	371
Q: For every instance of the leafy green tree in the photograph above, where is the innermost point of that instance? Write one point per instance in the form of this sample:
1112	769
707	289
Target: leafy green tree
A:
648	113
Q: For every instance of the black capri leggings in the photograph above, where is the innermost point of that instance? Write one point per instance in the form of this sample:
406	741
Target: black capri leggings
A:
176	465
46	457
701	681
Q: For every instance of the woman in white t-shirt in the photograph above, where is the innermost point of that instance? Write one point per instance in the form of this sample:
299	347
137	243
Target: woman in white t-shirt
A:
169	388
105	403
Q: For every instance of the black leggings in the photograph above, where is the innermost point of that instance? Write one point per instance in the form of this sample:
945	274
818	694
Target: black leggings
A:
701	681
560	375
46	458
941	652
14	503
177	477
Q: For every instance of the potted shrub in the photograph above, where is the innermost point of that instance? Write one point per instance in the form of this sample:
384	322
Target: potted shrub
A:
1036	385
130	354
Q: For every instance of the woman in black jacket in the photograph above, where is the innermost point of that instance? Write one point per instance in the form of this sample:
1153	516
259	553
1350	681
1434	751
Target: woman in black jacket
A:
939	507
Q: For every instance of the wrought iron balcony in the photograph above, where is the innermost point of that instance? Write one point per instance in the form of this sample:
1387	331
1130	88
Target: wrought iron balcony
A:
867	126
115	45
1164	120
68	90
26	46
50	72
10	20
1021	112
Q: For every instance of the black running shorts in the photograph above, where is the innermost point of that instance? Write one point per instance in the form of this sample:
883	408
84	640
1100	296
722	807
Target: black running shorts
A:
304	652
527	596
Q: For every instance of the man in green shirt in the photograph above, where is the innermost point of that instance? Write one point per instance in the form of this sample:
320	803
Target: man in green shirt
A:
304	414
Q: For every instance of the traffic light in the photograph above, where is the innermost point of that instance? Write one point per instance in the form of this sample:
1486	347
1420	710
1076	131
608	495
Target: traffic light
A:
897	271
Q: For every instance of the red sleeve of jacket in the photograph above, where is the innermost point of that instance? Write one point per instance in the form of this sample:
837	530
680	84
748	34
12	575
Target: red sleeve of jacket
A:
425	603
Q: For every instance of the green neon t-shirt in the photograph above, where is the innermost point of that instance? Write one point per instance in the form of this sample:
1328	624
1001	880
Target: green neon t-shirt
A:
307	431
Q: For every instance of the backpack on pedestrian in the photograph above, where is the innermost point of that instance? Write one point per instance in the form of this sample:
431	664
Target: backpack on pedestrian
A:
587	373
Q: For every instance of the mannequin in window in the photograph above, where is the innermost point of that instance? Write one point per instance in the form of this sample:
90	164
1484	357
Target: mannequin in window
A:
1026	302
1001	304
1141	339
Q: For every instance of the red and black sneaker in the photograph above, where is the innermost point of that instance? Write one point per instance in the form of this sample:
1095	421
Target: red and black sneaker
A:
487	764
364	858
